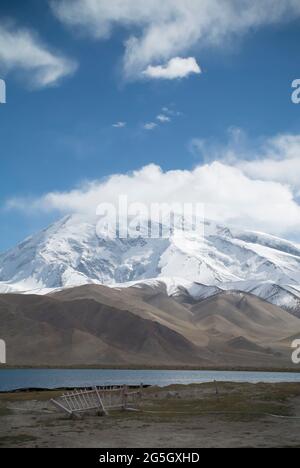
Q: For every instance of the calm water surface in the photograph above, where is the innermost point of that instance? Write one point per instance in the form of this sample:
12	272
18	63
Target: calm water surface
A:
71	378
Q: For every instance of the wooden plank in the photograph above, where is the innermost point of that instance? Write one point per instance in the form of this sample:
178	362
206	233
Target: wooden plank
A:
82	400
100	401
61	406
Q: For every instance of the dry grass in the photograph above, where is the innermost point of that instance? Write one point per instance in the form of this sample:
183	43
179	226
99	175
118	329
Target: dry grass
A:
233	401
29	396
238	413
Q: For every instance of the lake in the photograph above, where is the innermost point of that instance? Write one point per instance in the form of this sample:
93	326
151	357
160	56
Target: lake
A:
16	379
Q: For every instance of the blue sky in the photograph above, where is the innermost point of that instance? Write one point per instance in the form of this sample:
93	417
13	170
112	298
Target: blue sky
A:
53	138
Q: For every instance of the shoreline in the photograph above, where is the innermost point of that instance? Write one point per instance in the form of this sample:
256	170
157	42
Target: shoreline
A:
64	384
293	370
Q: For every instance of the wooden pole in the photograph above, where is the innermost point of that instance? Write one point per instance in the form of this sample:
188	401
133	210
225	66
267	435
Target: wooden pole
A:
101	402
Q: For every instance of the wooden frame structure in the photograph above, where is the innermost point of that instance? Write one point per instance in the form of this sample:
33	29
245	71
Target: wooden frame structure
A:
99	399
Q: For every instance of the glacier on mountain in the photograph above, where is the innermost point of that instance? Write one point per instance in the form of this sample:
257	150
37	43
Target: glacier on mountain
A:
70	253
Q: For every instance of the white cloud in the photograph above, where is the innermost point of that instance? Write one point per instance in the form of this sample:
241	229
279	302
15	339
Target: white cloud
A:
278	160
230	193
175	68
168	28
274	159
163	118
150	126
22	51
171	112
119	125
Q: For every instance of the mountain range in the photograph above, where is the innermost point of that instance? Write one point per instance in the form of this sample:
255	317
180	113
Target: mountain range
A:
71	296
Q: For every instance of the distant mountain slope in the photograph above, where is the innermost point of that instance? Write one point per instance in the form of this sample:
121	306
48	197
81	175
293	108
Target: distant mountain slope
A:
285	296
98	325
44	331
244	315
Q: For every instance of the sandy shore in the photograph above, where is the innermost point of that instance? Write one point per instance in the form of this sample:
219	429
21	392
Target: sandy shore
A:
193	416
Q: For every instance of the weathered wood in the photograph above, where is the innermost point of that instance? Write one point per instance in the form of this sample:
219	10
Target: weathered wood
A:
103	399
100	401
61	406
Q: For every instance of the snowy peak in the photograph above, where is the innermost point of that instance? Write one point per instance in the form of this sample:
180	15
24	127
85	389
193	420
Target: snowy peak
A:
70	253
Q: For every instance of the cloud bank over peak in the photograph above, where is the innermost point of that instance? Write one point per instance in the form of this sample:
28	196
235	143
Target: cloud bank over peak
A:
233	192
279	161
275	159
168	29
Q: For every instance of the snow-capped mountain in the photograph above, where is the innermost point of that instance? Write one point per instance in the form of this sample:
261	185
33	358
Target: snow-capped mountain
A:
70	253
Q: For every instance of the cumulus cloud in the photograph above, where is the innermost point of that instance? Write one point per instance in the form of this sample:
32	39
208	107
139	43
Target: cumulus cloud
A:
229	193
175	68
22	51
163	30
278	160
274	159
